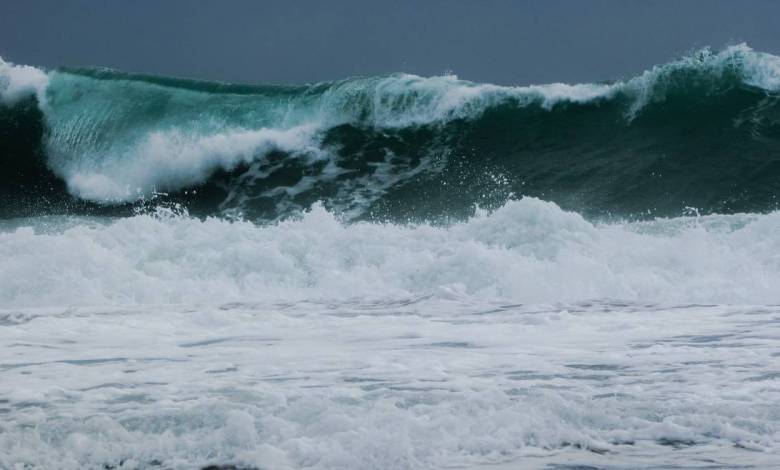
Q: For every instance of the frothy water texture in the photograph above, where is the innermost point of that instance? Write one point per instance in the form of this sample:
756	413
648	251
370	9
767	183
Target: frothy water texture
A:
391	272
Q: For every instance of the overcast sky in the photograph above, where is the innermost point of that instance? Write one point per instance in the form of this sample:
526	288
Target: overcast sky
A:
506	42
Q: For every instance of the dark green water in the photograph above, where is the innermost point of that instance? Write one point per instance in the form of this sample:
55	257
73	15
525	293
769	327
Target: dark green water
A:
700	133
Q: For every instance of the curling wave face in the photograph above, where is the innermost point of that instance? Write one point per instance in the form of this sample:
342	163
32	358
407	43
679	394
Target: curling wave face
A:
703	131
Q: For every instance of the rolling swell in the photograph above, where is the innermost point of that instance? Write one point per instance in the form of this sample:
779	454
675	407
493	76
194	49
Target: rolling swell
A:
702	132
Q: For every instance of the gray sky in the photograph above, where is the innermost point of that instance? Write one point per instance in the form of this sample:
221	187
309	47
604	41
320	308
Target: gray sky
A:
294	41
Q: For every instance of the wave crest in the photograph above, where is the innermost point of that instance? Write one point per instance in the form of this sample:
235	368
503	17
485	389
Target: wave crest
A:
20	81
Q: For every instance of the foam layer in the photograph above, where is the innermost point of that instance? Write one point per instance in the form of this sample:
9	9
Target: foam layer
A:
402	383
528	251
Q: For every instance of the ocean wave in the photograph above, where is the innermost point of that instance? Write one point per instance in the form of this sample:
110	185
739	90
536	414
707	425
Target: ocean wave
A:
115	138
346	274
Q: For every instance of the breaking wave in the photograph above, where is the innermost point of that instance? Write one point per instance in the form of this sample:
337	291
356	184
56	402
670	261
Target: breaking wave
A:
702	131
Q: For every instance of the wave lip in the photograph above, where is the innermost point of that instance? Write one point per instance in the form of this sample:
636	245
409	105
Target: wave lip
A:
20	81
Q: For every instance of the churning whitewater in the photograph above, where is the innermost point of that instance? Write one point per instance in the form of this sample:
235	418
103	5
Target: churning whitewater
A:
391	272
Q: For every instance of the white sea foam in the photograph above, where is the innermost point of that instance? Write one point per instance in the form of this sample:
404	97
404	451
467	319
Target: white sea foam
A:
525	337
172	160
19	81
449	381
528	251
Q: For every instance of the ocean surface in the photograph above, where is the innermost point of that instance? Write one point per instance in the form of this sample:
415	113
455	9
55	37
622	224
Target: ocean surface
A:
392	272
